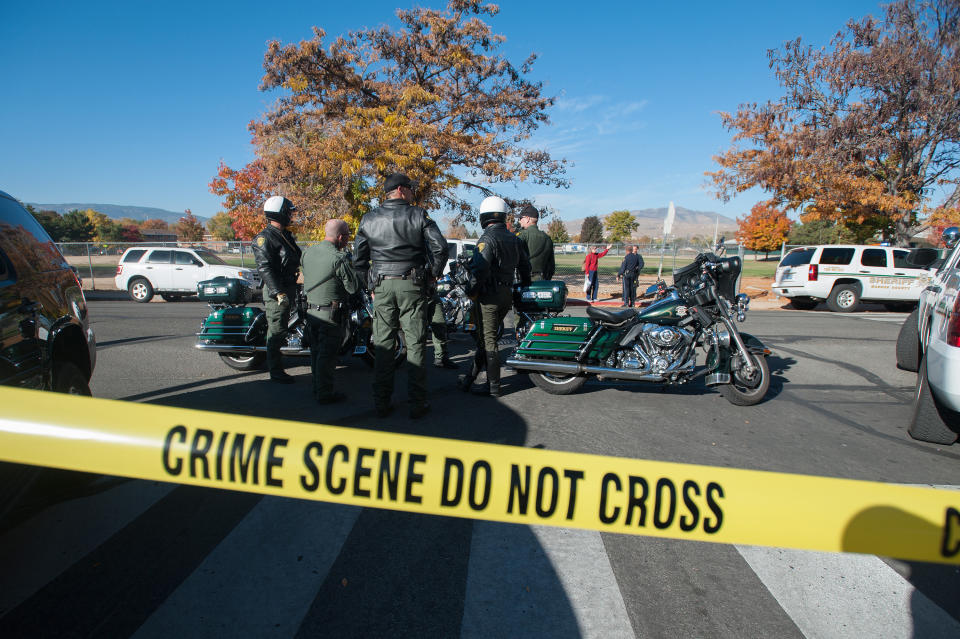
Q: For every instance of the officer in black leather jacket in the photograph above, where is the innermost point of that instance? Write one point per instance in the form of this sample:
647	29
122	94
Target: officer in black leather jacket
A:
278	260
391	252
499	254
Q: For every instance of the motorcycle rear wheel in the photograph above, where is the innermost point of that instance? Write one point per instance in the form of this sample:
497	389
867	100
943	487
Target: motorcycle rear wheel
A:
747	391
558	384
239	362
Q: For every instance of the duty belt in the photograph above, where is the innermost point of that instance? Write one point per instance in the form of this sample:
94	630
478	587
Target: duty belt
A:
334	305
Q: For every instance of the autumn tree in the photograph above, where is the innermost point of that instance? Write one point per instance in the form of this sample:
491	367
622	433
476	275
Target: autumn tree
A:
189	228
814	231
244	191
557	231
221	227
942	219
865	127
434	98
155	225
456	230
130	233
620	226
764	229
591	231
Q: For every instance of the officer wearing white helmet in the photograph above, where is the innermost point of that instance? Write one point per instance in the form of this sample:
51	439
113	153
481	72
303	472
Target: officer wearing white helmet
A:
499	254
278	260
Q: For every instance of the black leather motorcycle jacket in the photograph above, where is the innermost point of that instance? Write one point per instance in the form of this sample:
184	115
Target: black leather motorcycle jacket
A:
395	238
278	259
499	253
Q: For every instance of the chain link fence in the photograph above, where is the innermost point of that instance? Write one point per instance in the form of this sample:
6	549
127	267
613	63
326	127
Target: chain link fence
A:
96	263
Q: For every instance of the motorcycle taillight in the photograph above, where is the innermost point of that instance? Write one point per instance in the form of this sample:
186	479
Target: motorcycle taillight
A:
812	273
953	324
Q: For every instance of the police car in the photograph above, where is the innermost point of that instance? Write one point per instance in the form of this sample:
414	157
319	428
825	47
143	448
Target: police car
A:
929	343
843	275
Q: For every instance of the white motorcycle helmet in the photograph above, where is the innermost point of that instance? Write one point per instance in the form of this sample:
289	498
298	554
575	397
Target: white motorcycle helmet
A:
493	209
279	209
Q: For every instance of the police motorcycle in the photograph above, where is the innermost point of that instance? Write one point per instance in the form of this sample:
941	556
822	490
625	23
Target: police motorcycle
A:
657	343
238	333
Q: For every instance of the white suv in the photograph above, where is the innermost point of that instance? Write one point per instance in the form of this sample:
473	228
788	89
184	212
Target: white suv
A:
929	343
845	274
456	248
173	272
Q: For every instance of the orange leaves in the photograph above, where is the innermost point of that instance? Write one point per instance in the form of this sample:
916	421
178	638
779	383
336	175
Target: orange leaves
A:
764	229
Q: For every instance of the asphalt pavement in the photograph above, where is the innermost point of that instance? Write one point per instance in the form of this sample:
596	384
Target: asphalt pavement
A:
94	556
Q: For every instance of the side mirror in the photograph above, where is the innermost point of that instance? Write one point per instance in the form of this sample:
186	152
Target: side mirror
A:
950	236
922	257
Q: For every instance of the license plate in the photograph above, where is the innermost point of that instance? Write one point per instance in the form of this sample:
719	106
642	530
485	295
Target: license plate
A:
359	350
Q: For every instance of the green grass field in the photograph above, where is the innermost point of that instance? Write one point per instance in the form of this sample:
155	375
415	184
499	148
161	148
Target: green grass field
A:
572	263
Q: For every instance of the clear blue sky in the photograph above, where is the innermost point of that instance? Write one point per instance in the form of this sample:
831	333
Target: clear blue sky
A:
136	103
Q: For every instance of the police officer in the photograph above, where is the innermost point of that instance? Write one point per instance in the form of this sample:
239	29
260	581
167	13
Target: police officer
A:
278	260
328	281
539	244
629	273
499	253
392	245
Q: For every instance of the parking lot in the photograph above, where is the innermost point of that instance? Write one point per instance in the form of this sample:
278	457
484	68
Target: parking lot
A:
837	407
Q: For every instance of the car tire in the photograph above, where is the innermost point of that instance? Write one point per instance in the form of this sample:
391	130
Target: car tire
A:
171	297
140	290
900	307
69	379
803	304
931	422
908	343
844	298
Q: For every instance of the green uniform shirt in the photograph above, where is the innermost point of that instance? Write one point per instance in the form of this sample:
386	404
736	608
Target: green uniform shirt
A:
540	249
328	274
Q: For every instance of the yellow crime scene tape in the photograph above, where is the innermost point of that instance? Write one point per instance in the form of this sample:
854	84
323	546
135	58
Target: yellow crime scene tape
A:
489	482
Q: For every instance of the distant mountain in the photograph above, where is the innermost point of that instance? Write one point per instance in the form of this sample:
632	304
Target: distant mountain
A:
118	211
686	223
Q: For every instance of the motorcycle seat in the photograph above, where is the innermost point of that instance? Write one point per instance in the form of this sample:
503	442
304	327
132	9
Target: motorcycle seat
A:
609	316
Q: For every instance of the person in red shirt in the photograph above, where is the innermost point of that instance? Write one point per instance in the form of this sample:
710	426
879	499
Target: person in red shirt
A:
590	264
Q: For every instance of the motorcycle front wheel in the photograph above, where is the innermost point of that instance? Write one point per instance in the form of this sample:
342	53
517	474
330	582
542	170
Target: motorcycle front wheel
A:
558	384
747	390
243	362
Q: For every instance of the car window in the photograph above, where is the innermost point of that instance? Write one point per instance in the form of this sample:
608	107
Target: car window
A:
210	258
134	255
26	241
874	257
159	257
797	257
452	251
181	257
900	260
837	256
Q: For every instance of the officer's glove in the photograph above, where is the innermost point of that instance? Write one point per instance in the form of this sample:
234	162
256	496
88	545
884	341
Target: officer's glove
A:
283	301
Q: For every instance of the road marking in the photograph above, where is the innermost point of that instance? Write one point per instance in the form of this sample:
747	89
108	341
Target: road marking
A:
841	596
541	581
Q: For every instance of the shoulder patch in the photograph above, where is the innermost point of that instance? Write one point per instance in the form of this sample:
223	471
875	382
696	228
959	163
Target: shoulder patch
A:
480	246
260	240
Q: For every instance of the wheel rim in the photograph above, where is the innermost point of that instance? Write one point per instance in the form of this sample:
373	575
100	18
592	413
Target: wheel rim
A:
241	359
139	291
743	383
846	298
556	379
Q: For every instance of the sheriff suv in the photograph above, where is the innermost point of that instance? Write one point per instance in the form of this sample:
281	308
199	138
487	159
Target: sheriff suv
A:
843	275
929	343
173	272
45	337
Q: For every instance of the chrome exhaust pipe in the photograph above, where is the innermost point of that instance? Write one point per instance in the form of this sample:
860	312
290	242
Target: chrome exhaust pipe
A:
573	368
248	350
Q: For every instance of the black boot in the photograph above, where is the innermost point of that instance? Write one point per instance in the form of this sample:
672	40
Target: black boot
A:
492	387
465	382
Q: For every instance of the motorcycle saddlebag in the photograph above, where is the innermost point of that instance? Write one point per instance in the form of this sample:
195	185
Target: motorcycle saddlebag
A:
229	325
542	296
224	290
555	337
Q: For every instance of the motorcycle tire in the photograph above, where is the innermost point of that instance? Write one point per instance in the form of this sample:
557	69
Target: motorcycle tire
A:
558	384
743	391
369	358
243	362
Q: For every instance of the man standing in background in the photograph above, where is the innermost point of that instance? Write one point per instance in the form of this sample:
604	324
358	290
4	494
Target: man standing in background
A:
539	244
629	273
590	265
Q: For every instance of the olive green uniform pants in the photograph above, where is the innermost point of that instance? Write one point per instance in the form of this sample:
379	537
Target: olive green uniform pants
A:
399	304
438	328
493	308
277	321
325	337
